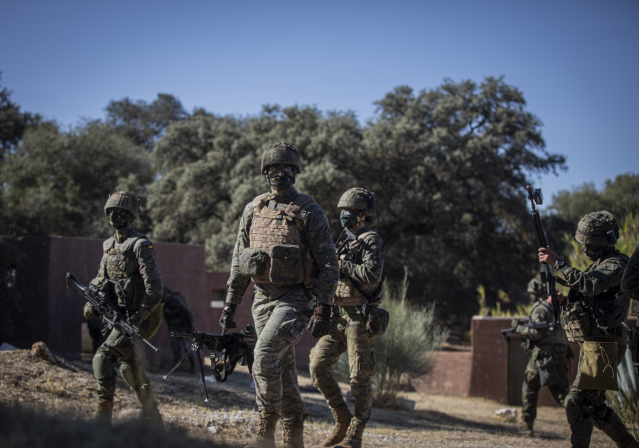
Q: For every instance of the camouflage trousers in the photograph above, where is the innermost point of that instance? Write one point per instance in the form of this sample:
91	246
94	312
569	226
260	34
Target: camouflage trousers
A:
349	334
532	385
586	409
118	349
280	325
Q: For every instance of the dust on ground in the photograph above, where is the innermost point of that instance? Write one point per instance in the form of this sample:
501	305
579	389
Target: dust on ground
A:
68	388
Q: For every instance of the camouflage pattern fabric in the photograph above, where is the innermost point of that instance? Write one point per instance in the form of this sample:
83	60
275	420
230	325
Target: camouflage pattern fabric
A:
630	280
318	235
546	342
280	324
362	262
599	276
349	334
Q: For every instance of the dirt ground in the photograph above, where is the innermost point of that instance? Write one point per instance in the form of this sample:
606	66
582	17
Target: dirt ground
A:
68	388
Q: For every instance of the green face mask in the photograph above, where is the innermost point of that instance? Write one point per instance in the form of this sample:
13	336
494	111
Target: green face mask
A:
348	218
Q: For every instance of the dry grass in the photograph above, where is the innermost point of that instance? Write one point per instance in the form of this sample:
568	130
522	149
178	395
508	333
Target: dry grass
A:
68	390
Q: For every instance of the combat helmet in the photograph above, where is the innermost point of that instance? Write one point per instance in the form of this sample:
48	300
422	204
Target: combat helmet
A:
125	200
598	229
359	199
282	154
536	287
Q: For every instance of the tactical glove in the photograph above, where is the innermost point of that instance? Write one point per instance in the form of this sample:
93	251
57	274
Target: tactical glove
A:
320	324
515	323
89	312
227	319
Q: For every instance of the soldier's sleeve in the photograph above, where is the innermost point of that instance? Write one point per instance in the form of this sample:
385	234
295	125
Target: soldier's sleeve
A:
371	270
537	314
237	283
322	246
150	273
630	279
593	282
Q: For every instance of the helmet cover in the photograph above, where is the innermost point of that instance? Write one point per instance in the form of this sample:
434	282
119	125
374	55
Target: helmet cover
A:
593	229
359	199
124	200
282	154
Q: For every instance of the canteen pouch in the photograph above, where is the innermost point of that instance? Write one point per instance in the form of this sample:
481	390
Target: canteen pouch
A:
254	263
376	320
598	369
151	324
286	264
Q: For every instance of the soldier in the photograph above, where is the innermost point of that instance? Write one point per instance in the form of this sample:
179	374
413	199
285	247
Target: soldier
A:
128	260
285	245
592	315
361	265
545	347
630	280
96	328
179	318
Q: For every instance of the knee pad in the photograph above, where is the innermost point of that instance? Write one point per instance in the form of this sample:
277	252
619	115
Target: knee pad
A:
102	366
573	410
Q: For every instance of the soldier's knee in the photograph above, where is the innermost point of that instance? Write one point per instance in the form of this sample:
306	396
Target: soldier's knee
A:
574	413
102	366
601	414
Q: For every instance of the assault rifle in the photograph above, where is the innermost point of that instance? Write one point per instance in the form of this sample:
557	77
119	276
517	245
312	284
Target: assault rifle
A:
350	236
112	317
233	347
547	272
536	325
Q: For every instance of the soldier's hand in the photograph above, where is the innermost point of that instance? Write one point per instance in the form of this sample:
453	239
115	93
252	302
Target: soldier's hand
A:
89	312
547	255
515	323
320	324
137	319
560	298
227	319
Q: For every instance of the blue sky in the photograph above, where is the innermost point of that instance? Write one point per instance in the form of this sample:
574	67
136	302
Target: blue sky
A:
577	62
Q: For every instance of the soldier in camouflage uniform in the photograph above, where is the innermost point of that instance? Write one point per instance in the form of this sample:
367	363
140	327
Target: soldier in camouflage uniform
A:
361	265
179	318
592	313
630	280
128	260
285	245
542	344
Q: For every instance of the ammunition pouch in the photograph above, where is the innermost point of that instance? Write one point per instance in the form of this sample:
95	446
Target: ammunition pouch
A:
286	264
376	320
578	322
254	262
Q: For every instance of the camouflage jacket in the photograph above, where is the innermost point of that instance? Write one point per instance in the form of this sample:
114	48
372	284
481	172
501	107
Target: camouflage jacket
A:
177	313
317	232
599	276
541	311
362	262
131	262
630	280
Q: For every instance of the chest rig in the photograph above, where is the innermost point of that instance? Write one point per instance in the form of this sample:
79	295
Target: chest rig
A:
120	264
279	236
349	292
596	316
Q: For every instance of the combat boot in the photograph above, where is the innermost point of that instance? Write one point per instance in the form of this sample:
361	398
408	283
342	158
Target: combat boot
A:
293	434
342	416
104	412
525	428
614	428
353	437
265	437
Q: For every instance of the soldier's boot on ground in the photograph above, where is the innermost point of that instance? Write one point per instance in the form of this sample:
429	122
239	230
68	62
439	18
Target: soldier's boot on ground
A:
614	428
353	437
525	428
104	412
151	412
265	437
293	434
342	416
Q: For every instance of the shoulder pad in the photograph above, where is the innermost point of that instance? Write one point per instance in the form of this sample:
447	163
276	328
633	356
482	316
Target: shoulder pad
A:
258	199
302	200
108	244
142	241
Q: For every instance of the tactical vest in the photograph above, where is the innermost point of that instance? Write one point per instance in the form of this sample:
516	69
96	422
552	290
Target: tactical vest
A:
120	264
594	317
349	292
279	238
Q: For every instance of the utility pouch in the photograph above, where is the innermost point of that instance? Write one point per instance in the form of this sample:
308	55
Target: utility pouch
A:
578	323
598	369
376	320
548	374
253	262
151	324
286	266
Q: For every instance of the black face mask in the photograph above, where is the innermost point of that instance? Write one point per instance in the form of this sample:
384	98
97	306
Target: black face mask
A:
280	180
118	218
594	252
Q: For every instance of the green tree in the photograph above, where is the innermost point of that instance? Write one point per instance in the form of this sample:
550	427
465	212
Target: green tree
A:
56	183
13	123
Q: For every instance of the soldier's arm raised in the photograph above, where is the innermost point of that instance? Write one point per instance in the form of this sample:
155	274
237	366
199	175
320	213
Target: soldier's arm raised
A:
607	275
237	283
322	246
